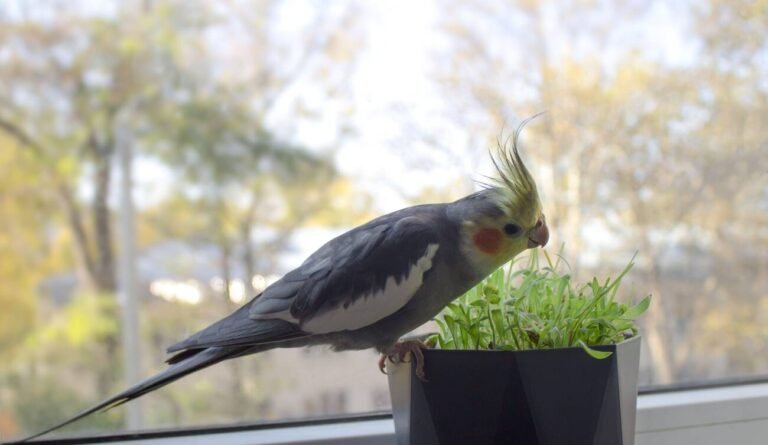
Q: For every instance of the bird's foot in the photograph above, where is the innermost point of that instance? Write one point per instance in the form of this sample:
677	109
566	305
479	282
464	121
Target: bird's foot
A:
401	351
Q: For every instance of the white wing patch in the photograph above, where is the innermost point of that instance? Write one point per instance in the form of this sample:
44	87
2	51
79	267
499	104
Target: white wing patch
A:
374	306
282	315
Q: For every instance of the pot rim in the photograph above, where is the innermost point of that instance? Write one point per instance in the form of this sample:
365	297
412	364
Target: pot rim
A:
611	347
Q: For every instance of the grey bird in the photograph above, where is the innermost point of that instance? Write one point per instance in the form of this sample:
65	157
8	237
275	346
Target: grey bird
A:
373	284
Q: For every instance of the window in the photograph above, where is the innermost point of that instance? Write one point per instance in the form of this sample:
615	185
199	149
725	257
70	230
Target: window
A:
258	130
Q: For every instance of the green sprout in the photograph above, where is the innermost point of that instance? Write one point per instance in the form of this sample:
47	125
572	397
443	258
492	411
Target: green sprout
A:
535	307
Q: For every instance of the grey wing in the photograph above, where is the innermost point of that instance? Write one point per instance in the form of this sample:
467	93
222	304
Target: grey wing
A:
356	279
238	329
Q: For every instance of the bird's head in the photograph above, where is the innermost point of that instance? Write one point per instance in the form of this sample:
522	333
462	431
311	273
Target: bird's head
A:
507	217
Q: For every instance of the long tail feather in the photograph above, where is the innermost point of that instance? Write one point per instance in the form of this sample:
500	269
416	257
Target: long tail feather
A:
202	359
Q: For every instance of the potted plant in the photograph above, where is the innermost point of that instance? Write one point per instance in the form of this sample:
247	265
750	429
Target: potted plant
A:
525	357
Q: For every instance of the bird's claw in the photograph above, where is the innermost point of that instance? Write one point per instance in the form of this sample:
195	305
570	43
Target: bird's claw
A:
400	352
383	364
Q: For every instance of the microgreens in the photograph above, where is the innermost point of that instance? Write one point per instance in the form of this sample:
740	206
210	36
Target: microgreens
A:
538	307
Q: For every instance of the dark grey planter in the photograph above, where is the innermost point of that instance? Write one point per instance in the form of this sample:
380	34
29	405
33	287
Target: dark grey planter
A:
537	397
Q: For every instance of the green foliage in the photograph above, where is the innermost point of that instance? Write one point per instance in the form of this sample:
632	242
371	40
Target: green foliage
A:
88	318
538	307
27	252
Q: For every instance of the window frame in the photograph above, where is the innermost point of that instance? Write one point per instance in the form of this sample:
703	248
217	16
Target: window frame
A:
709	412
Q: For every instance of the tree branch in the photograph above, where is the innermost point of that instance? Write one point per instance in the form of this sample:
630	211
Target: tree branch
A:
75	220
63	191
20	135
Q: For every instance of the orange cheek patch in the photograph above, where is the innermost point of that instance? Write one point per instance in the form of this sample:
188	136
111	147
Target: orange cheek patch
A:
488	240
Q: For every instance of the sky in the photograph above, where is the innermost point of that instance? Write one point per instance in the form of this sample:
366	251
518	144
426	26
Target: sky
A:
395	99
390	83
394	88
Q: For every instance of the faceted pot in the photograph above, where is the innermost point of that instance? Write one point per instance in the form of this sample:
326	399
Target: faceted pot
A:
536	397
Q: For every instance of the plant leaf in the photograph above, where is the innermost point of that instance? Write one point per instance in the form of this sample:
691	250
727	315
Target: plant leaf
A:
594	353
638	309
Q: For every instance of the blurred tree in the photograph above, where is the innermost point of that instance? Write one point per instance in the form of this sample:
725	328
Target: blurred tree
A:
31	249
234	174
18	239
64	85
69	77
62	90
67	82
669	155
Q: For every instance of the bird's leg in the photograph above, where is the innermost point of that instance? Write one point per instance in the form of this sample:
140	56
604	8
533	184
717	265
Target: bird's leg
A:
399	352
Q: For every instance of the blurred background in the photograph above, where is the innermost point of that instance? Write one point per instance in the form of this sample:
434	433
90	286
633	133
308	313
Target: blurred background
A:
258	130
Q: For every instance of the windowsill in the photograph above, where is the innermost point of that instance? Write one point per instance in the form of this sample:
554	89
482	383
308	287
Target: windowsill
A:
735	414
728	414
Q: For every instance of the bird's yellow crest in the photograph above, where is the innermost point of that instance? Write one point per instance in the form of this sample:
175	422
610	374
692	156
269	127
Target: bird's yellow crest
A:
515	187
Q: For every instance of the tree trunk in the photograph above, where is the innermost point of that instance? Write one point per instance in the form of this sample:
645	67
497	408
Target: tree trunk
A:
105	267
84	259
104	274
248	260
236	389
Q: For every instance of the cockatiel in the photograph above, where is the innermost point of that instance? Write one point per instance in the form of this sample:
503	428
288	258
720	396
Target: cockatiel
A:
371	285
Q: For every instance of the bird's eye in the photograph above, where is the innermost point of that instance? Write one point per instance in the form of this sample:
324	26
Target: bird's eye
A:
511	229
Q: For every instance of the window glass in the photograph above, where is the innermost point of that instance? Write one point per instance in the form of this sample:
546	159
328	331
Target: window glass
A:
258	130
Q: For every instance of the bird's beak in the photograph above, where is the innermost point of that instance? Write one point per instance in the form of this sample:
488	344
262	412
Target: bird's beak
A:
539	235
